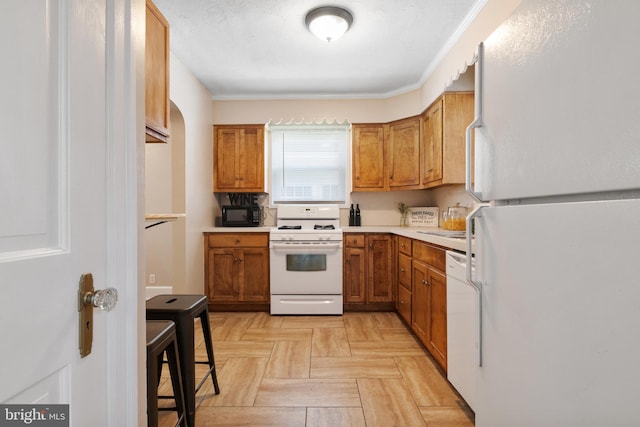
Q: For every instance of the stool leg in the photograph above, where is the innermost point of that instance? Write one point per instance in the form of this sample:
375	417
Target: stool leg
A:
152	391
186	345
206	330
176	382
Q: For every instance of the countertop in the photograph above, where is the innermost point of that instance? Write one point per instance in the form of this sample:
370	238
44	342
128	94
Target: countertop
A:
411	232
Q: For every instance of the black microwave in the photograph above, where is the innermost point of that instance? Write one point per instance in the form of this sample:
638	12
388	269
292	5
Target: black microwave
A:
241	216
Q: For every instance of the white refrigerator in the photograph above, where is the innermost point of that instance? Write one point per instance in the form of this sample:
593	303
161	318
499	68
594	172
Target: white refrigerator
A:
557	238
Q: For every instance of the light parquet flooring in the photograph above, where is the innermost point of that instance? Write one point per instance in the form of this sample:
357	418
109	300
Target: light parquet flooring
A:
360	369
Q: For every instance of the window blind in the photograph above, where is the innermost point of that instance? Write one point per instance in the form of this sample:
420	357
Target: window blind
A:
309	163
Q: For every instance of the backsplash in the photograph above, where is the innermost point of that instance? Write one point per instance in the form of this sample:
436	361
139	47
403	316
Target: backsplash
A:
381	208
449	195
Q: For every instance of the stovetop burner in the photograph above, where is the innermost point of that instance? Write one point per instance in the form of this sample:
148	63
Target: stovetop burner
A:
324	227
290	227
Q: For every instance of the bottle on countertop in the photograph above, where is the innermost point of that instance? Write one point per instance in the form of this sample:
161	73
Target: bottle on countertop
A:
352	216
357	216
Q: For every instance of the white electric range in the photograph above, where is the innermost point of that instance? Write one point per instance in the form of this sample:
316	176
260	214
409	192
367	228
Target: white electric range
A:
306	260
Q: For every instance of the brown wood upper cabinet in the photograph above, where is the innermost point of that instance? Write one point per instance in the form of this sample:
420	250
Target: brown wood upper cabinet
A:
369	166
404	154
423	151
238	158
443	133
156	75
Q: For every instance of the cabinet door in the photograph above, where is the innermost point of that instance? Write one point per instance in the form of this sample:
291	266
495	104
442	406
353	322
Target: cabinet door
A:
457	114
225	169
404	271
223	280
156	75
254	267
354	275
419	300
368	158
432	145
404	153
251	160
238	162
404	304
379	268
437	319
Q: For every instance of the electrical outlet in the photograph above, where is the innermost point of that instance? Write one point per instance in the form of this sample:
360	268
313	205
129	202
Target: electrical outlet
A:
152	279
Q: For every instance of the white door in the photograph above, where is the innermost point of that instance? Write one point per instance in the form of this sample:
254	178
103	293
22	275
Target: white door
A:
68	205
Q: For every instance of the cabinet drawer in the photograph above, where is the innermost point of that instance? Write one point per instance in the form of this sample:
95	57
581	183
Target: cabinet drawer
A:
354	240
404	304
404	245
230	240
428	254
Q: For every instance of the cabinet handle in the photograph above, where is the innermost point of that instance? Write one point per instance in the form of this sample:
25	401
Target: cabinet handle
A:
402	270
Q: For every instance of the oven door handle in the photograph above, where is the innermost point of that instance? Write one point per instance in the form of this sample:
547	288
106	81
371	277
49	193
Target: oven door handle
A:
306	247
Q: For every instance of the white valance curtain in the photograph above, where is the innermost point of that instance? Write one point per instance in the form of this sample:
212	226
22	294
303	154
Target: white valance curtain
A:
309	162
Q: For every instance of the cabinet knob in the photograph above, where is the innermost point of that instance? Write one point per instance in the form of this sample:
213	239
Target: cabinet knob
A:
402	270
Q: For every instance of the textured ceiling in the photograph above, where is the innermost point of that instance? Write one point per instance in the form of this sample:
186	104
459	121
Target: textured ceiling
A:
261	49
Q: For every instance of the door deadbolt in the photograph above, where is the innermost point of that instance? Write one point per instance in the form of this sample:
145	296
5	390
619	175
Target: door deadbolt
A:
87	299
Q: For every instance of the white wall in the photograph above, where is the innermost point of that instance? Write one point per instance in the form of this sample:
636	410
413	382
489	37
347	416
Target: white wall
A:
462	53
158	240
354	110
194	103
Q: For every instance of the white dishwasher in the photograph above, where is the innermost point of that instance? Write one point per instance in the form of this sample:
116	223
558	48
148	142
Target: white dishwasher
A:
462	328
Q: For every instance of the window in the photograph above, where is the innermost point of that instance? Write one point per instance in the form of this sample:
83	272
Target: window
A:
309	163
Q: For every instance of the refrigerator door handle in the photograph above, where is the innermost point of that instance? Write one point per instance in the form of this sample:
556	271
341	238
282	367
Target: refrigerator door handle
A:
476	213
477	122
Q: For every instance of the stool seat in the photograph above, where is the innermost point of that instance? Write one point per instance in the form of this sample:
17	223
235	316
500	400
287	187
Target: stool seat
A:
183	310
161	339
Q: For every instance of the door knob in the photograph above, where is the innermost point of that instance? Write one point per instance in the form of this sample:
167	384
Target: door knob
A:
105	299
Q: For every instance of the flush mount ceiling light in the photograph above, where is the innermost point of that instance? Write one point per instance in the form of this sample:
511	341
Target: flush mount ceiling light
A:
328	23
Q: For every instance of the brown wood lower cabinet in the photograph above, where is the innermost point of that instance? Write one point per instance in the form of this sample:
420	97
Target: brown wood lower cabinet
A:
429	299
422	294
237	268
368	270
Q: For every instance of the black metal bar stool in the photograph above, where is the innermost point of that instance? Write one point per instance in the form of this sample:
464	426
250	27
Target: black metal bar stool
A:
183	310
161	339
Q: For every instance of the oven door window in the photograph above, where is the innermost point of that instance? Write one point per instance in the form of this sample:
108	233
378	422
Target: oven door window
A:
306	262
